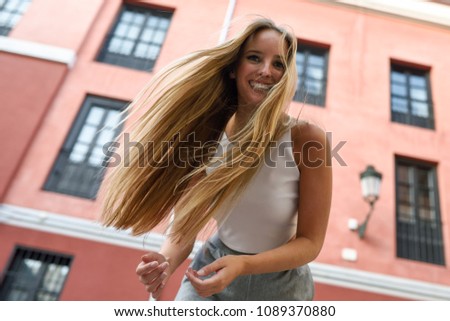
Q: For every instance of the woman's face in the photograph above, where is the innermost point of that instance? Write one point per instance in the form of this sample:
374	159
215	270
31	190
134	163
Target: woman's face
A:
259	67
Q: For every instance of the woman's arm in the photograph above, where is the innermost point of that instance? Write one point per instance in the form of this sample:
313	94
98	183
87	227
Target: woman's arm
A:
312	153
175	254
155	268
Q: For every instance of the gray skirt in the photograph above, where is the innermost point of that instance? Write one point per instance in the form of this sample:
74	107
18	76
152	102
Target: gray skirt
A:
291	285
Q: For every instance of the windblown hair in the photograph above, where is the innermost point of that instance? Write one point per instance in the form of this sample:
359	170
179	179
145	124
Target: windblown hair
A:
193	99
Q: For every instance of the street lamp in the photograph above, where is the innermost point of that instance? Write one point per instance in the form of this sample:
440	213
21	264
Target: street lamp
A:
370	186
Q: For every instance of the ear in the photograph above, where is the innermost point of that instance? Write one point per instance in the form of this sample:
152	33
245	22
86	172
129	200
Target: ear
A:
232	74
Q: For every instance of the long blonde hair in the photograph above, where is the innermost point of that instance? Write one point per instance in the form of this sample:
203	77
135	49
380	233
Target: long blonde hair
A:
195	98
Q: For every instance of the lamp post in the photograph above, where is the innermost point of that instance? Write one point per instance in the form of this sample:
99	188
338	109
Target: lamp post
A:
370	186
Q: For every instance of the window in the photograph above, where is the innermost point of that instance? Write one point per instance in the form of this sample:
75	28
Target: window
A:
80	166
34	275
419	230
136	39
312	65
10	13
411	97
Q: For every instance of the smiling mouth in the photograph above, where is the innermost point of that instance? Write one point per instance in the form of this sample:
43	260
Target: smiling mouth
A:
260	86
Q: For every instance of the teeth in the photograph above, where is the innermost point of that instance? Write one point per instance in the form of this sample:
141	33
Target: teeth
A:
260	86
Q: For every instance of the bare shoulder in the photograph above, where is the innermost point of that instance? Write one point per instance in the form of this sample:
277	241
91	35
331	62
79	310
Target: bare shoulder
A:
304	132
309	143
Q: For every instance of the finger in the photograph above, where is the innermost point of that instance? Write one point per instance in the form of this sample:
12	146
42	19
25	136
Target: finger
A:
193	279
205	295
156	294
205	292
196	281
199	284
205	288
210	268
209	292
195	274
156	283
153	256
204	284
153	274
144	268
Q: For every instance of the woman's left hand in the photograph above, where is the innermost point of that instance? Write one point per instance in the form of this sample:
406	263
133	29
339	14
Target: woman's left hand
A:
227	268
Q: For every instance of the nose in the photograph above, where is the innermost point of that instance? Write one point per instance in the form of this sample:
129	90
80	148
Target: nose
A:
265	70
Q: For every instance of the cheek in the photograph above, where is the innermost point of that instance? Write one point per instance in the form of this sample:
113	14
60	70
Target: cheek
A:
244	69
278	75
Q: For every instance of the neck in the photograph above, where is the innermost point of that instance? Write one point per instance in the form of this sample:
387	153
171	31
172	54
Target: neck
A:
238	121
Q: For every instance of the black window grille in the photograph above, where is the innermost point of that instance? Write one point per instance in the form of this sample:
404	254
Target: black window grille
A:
411	101
80	166
10	13
419	228
312	65
136	38
34	275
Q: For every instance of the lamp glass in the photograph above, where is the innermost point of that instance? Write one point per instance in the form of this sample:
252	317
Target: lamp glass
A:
370	188
370	184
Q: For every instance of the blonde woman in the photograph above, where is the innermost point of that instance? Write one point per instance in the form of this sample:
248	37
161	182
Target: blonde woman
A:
263	176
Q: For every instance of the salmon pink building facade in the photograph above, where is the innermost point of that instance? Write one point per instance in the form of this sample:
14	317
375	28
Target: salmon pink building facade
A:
374	74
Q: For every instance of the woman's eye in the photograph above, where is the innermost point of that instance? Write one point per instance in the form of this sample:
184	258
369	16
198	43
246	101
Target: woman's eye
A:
253	58
279	65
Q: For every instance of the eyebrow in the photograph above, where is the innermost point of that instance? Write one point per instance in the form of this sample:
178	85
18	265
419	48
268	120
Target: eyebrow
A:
259	52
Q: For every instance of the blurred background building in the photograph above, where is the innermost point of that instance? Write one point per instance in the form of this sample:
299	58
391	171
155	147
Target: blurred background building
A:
374	74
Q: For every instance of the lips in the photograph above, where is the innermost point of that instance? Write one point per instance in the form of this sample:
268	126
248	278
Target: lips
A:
261	87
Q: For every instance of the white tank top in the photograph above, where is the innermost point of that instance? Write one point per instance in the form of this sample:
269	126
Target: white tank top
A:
265	215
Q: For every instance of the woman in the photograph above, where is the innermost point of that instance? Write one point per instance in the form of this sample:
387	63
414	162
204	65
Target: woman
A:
271	222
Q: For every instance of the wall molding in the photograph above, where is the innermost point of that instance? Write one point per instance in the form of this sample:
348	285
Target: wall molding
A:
420	10
378	283
38	50
323	273
79	228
